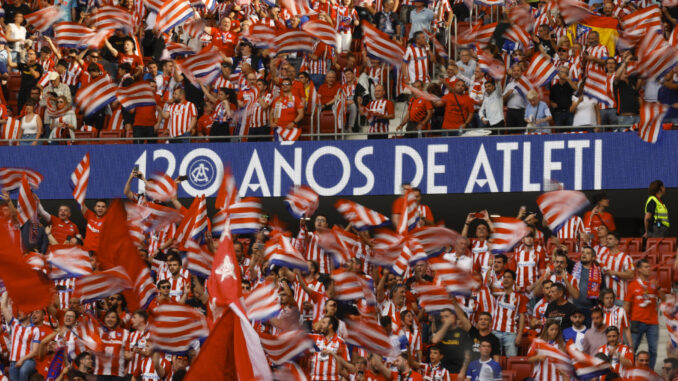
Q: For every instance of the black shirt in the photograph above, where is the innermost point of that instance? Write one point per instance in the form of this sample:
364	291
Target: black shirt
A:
475	337
453	346
11	10
560	313
561	95
626	95
27	79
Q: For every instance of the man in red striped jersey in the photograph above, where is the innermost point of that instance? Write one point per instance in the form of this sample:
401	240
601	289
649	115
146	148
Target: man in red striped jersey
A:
509	315
325	365
617	266
528	262
379	113
137	342
182	114
25	339
418	57
620	355
615	315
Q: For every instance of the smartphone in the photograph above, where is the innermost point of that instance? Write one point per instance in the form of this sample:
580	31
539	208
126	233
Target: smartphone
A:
479	215
136	167
182	178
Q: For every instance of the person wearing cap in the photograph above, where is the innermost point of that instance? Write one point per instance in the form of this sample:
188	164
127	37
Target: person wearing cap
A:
55	86
575	333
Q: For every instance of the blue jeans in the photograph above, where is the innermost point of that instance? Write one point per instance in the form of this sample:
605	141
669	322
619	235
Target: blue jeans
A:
651	332
27	136
608	116
23	373
508	343
317	79
628	119
562	118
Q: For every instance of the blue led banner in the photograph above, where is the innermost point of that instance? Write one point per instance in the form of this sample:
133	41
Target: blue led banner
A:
512	163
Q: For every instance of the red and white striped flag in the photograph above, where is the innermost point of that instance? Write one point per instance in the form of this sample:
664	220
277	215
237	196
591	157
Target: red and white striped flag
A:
541	70
289	371
44	18
262	303
261	35
112	18
508	231
292	41
194	27
80	179
434	239
555	355
87	333
73	261
281	252
285	134
102	284
10	178
171	14
95	40
479	34
673	38
558	206
339	243
409	214
153	5
186	226
36	261
573	11
490	65
517	34
597	86
298	7
455	279
161	187
360	217
648	19
136	95
587	367
521	16
27	204
302	201
321	30
198	260
285	346
178	50
651	117
380	45
96	95
348	285
201	68
175	327
422	94
367	333
12	129
655	56
244	216
44	80
201	222
228	191
433	298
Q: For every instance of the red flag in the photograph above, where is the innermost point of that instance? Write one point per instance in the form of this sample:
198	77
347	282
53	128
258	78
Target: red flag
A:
28	290
232	352
116	248
27	203
651	117
224	281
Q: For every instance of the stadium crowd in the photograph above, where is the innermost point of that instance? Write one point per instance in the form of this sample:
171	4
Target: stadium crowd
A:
521	64
462	306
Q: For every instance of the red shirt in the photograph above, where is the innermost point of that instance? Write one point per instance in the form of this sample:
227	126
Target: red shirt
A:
457	110
224	41
62	229
642	296
145	116
411	376
94	225
418	108
285	109
205	124
327	93
591	223
134	60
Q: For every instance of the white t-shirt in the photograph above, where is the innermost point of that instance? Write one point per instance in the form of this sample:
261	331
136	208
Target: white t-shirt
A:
585	114
16	32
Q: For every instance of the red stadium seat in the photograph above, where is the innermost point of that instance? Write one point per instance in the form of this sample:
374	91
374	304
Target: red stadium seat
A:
84	137
636	255
305	125
502	362
326	123
630	244
508	375
163	133
111	134
666	258
571	244
661	245
574	256
521	366
664	277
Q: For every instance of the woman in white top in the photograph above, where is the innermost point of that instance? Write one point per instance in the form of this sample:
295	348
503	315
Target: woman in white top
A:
16	37
491	112
31	124
586	109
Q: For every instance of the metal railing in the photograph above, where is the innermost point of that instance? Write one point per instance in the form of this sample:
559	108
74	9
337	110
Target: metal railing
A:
469	132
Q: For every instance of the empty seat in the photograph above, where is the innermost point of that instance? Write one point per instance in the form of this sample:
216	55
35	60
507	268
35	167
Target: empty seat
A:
661	245
84	137
666	258
571	244
629	244
163	133
111	134
326	124
521	366
665	277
